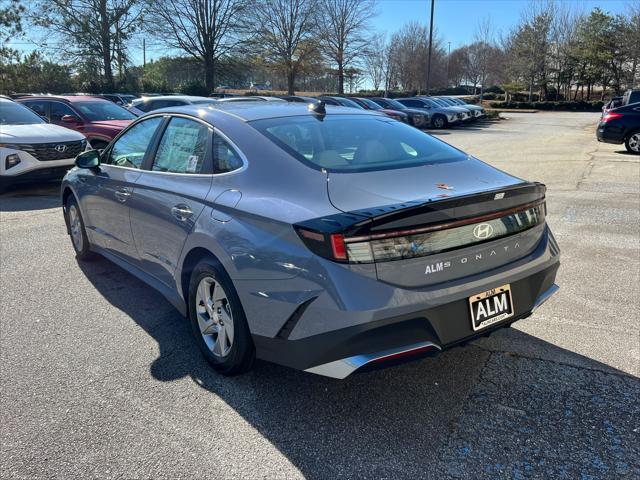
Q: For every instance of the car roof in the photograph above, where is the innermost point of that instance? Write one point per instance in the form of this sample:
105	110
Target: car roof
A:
249	111
187	98
68	98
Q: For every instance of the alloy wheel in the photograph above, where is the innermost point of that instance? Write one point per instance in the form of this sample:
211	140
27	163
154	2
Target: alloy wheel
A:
438	122
214	317
75	225
634	142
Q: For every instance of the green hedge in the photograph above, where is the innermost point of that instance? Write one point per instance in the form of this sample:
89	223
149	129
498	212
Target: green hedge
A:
578	106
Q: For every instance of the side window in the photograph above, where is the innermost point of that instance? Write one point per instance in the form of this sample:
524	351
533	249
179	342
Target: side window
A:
39	107
225	158
129	149
183	147
59	110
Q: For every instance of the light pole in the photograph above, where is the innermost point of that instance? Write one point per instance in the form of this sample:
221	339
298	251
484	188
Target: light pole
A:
448	62
430	44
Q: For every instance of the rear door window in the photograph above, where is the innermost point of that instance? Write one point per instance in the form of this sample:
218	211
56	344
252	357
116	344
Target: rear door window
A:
182	148
225	157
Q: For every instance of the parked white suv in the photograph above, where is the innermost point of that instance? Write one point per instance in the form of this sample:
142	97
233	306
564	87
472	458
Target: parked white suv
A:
32	149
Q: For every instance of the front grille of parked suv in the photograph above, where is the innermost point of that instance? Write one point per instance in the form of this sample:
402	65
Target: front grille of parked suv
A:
46	152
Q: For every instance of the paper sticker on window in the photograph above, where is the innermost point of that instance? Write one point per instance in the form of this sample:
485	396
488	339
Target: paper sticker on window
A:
192	164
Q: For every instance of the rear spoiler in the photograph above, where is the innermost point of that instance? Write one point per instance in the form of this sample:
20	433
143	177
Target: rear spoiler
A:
425	213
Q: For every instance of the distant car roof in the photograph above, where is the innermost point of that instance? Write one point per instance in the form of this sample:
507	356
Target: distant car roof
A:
249	111
186	98
68	98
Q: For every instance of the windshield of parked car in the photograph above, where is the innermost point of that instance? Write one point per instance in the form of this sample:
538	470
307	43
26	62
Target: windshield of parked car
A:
12	113
98	111
448	101
370	103
394	104
439	102
345	102
349	143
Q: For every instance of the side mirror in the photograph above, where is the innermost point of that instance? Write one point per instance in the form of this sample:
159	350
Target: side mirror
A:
70	119
89	159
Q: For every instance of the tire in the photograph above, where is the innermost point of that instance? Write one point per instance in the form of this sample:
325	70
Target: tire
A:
439	121
77	232
218	321
632	142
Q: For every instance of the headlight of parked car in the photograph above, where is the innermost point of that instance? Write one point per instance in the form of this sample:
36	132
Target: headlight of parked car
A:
11	161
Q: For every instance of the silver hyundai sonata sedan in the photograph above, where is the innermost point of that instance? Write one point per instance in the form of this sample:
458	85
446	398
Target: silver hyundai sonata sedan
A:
326	239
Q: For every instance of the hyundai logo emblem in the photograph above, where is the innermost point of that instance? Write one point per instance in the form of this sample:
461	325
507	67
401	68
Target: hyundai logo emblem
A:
61	148
482	231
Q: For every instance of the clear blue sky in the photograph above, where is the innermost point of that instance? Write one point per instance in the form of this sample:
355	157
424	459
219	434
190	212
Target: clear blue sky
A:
454	20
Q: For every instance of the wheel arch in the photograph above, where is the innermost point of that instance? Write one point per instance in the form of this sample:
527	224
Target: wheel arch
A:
191	259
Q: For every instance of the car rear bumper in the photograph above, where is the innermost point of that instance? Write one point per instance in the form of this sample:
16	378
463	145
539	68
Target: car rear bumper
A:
424	327
609	135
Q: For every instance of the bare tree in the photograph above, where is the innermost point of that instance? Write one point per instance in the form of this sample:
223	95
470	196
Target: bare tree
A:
207	30
343	31
479	57
285	31
375	60
409	53
634	43
90	30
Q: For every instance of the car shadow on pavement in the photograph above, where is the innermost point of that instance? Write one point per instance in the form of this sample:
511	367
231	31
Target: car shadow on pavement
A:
456	415
40	196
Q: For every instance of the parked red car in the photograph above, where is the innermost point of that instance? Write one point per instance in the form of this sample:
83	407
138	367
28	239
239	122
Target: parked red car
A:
99	119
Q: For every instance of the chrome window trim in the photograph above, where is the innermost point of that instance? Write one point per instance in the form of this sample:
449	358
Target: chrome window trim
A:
239	152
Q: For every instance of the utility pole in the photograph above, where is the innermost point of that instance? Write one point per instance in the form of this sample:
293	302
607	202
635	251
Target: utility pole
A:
448	63
144	54
430	45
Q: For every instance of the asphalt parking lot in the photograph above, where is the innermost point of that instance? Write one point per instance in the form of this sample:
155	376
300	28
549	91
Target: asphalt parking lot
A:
100	377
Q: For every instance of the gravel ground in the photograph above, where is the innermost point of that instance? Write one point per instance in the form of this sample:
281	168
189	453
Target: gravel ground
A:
100	378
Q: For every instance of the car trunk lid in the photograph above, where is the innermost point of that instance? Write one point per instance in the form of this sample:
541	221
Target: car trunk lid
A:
437	223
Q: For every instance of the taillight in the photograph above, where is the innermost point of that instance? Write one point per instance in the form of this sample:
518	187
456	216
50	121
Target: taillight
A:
611	116
327	245
337	246
422	241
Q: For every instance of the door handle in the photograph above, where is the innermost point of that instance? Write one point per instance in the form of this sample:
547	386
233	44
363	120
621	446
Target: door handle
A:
181	212
122	194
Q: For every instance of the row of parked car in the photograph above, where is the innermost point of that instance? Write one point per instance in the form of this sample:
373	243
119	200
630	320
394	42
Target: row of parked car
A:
41	134
420	112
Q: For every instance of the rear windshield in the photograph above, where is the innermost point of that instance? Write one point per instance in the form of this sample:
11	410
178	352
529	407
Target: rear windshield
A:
12	113
97	111
354	143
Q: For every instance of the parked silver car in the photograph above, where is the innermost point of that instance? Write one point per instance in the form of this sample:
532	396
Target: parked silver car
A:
323	238
441	117
476	110
466	112
143	105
